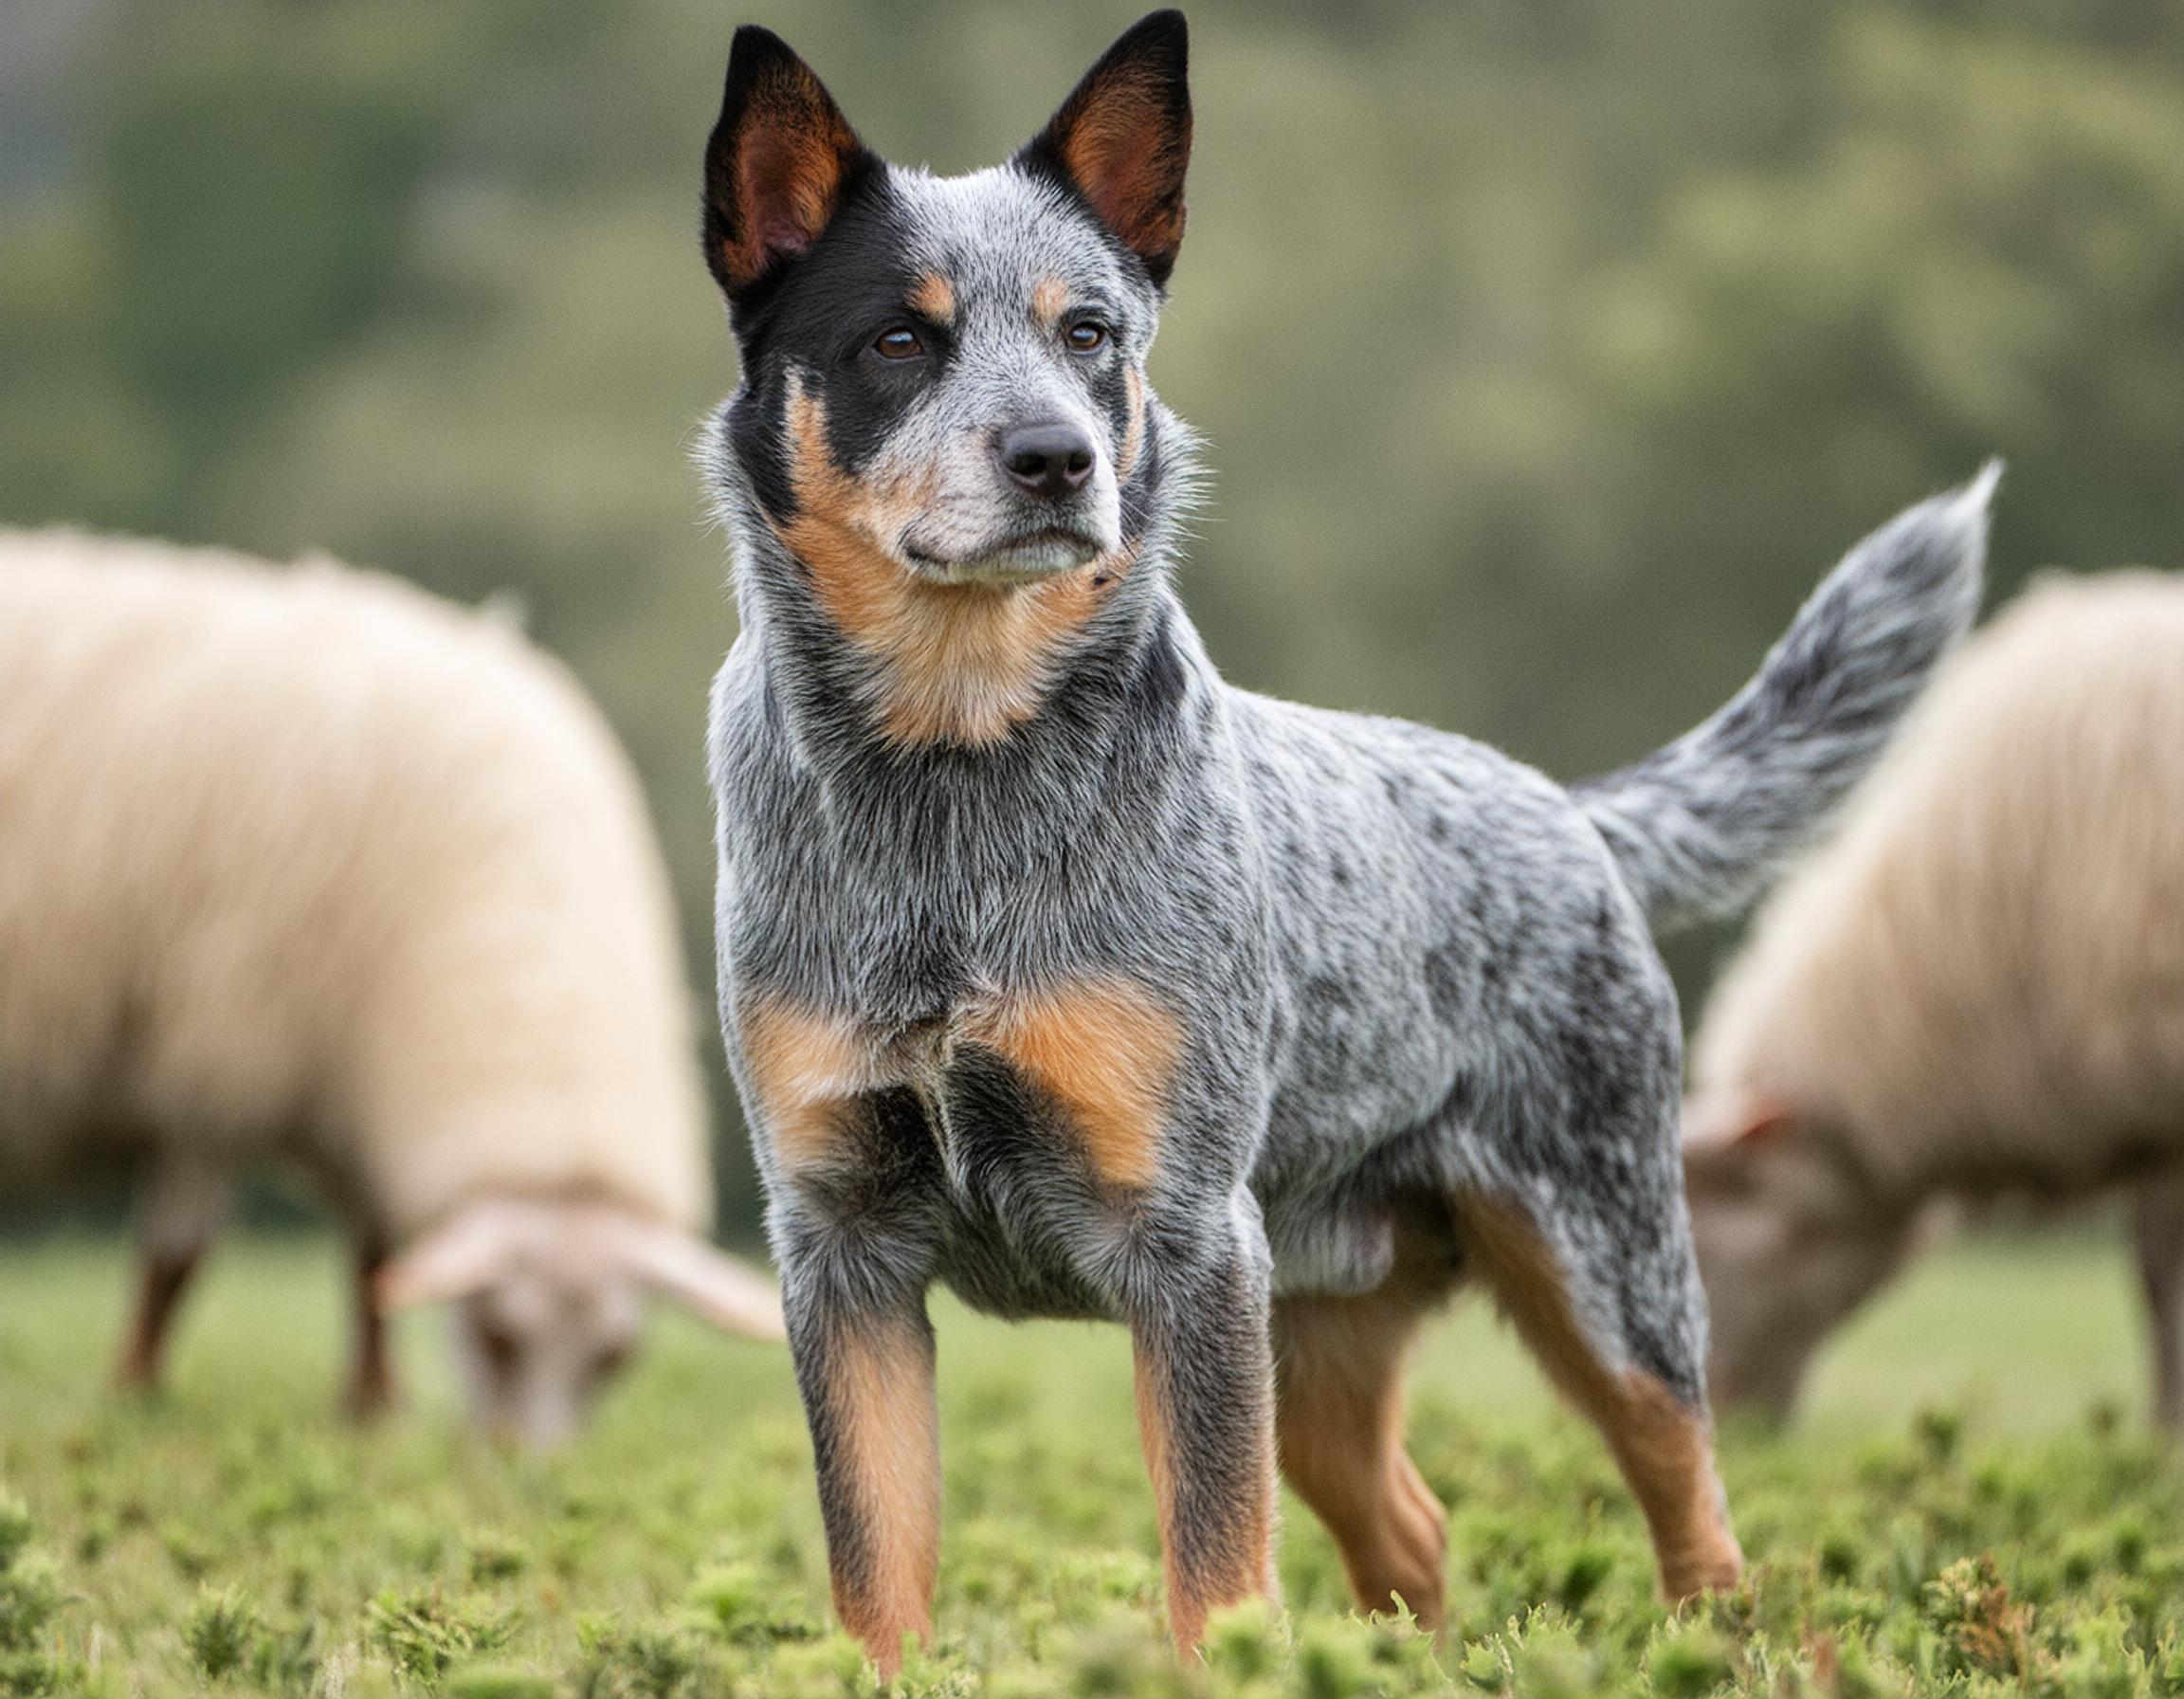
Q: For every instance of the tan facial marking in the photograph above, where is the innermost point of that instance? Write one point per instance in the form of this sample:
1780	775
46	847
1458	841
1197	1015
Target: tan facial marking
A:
935	296
1107	1050
804	1067
1662	1446
965	662
1134	432
881	1401
1050	298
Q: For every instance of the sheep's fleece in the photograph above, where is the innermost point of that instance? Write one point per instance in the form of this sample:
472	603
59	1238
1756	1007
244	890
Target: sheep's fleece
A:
306	866
1975	988
311	864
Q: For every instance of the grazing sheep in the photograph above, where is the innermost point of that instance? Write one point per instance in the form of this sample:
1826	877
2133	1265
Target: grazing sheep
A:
306	867
1976	989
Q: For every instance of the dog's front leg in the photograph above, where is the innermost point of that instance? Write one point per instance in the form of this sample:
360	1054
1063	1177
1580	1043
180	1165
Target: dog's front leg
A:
1206	1411
865	1371
853	1230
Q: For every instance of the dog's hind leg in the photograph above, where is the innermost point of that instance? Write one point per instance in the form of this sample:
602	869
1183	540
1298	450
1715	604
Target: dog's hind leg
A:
1584	1318
1338	1412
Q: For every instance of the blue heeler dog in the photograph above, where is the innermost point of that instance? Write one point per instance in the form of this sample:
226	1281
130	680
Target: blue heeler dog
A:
1056	969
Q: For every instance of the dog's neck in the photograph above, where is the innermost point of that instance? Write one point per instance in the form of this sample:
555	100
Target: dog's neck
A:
868	662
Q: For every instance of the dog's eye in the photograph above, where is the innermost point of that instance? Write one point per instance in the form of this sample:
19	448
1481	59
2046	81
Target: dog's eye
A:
1088	336
900	343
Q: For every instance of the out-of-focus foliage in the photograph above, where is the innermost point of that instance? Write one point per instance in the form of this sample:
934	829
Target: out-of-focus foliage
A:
1547	350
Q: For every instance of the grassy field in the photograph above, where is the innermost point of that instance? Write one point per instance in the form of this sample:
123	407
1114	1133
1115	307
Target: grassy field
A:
1973	1508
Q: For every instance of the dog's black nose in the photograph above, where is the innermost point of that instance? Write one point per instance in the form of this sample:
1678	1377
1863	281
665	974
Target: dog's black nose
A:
1047	460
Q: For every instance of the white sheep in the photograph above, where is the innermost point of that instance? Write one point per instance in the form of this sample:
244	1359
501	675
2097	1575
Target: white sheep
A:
1976	989
309	868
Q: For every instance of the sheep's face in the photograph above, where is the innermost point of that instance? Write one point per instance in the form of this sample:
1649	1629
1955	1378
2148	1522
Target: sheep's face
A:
1786	1251
551	1300
537	1344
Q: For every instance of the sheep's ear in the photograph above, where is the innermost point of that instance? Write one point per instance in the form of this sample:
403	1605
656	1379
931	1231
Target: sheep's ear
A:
1719	1120
1123	139
731	1294
466	1252
779	159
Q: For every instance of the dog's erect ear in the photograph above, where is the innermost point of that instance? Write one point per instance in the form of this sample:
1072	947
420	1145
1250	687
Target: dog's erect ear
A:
780	156
1123	139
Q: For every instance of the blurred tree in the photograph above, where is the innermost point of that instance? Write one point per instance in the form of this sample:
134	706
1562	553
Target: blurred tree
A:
1547	349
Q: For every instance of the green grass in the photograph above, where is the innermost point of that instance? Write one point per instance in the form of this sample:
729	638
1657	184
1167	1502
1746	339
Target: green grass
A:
1972	1507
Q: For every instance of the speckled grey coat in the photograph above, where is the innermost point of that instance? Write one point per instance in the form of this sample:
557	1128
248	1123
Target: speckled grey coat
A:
1108	990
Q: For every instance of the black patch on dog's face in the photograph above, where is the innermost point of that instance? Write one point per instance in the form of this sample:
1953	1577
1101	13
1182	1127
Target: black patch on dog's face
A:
821	317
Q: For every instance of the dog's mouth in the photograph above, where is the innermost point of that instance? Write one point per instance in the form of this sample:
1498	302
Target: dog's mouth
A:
1023	558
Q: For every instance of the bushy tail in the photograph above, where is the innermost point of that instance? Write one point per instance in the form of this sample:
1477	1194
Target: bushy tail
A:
1698	827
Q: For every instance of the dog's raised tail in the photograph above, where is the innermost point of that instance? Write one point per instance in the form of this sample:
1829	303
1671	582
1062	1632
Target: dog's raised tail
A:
1699	826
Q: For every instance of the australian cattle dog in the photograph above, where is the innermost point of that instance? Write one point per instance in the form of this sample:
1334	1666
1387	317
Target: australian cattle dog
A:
1055	969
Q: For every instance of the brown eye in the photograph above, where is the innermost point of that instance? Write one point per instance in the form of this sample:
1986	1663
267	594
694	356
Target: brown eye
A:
1088	336
900	343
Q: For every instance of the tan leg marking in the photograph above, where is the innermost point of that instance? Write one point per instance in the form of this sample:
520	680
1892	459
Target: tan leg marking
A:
881	1395
935	296
965	662
1049	300
1242	1567
1338	1412
1107	1050
1663	1448
803	1066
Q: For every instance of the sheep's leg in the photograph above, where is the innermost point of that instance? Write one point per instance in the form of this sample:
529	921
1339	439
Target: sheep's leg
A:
1339	1415
1644	1389
179	1215
2157	1229
371	1388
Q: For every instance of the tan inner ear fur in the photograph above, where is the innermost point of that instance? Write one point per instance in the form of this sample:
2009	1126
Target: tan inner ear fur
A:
965	662
793	152
1118	148
1107	1050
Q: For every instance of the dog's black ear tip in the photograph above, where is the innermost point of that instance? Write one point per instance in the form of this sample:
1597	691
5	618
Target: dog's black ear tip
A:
753	51
757	41
1164	35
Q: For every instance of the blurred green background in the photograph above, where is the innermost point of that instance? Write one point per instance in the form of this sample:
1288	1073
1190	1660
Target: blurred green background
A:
1548	349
